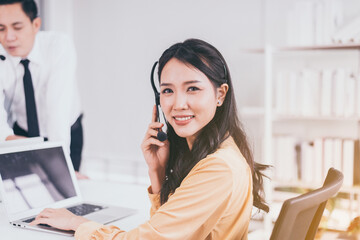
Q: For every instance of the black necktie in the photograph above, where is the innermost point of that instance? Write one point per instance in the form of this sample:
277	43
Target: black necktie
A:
31	114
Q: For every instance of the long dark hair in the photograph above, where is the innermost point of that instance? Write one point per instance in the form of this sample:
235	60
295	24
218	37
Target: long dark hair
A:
225	123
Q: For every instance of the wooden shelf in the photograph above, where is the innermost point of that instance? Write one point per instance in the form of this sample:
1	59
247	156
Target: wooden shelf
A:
313	118
300	184
320	47
350	46
259	112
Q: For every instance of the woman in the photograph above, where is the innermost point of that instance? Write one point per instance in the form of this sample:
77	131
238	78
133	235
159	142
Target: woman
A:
204	180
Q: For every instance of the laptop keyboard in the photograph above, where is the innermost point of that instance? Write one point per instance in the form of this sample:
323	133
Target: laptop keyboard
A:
84	209
79	210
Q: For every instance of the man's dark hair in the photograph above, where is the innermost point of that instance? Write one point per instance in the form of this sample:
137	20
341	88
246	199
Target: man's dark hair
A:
28	6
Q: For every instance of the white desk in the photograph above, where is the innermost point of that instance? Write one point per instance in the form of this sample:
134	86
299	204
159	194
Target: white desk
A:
120	194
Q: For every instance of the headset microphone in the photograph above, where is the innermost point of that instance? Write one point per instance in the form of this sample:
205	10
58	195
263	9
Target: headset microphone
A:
160	135
2	57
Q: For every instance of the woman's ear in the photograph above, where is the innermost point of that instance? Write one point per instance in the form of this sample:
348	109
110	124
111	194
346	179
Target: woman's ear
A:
221	93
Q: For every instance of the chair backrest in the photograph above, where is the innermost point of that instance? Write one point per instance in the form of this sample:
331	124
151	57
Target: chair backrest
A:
300	217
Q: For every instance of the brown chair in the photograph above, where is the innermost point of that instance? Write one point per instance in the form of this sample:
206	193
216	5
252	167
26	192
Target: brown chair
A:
299	217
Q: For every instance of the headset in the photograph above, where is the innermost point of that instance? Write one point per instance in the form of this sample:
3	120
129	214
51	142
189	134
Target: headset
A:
160	135
2	57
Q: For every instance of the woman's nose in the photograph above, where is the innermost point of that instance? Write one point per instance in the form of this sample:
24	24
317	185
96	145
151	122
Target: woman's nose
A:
180	101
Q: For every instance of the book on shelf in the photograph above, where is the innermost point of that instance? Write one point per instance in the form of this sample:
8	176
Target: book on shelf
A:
348	32
339	82
318	160
309	161
348	161
328	158
285	158
317	93
326	89
313	22
307	173
319	23
281	89
337	154
293	94
309	92
350	96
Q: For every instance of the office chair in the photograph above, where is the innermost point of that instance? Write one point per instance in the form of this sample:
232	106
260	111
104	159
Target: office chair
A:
300	216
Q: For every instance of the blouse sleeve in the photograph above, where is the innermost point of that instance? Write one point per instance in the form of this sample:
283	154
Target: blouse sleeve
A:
190	213
154	200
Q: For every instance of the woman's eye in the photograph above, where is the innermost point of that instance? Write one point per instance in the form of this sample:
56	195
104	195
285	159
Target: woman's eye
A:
192	89
18	28
167	90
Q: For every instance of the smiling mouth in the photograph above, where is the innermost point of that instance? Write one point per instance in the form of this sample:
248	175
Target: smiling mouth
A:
183	118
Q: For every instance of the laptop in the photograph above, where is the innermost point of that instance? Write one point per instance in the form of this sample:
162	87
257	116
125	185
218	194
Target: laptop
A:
38	176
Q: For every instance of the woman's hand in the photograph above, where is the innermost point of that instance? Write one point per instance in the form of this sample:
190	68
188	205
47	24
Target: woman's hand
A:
59	218
156	153
14	137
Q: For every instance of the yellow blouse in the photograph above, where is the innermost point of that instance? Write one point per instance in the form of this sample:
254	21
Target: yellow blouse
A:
214	201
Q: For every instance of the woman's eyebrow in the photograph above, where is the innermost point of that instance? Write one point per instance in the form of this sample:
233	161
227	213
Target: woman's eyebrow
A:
185	83
192	81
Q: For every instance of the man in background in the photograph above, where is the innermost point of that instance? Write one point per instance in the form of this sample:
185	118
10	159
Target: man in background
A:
38	89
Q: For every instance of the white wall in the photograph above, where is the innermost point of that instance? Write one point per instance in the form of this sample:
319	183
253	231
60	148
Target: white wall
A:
57	15
117	43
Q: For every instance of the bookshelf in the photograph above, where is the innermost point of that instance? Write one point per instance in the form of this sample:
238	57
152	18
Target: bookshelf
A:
305	38
306	129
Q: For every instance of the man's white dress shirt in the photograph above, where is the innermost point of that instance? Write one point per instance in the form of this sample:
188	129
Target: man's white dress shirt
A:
52	66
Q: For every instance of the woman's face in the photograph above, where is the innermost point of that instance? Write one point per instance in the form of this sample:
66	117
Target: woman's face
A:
188	98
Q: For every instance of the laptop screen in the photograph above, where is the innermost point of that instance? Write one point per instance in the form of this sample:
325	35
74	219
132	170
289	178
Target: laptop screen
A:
35	178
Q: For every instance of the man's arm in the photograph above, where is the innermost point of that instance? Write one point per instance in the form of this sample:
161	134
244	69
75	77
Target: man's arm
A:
61	89
5	130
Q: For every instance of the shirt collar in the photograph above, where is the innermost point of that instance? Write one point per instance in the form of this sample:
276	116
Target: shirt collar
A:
35	54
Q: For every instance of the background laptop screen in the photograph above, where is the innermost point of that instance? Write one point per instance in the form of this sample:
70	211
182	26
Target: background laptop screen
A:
35	178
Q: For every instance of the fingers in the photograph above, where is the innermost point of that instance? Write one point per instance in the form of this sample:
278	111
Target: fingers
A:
155	125
154	114
38	221
46	212
44	216
153	129
152	141
152	133
150	138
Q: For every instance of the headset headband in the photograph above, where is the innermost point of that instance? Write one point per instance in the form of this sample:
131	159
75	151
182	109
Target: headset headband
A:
157	94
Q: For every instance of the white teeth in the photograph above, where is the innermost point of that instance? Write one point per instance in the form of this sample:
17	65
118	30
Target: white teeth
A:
183	118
